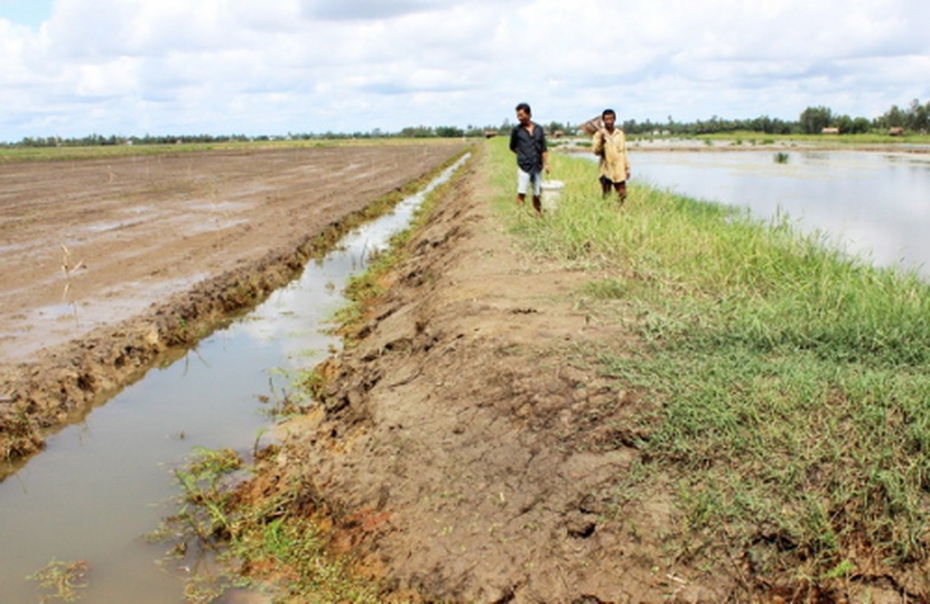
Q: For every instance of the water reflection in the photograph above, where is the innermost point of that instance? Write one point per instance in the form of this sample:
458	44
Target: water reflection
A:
875	205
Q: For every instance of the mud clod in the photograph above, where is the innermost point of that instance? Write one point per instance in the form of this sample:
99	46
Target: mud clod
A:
580	526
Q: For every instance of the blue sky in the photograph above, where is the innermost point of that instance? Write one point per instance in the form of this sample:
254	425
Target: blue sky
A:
135	67
31	13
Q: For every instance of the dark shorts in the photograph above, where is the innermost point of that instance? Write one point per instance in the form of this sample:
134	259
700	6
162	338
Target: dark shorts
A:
609	183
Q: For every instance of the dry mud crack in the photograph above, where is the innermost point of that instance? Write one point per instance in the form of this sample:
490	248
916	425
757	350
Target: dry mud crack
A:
473	459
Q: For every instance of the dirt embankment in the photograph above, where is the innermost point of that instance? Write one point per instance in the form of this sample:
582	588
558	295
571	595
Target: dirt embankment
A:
107	263
474	452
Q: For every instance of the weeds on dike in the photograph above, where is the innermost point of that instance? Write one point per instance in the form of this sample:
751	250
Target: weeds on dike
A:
229	537
790	397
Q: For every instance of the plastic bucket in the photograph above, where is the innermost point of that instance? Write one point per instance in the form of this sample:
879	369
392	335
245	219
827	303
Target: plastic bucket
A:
551	189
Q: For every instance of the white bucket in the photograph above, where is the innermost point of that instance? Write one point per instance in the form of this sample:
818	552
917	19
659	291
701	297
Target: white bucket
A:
551	189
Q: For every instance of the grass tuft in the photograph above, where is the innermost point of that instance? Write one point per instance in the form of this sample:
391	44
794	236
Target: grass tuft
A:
260	542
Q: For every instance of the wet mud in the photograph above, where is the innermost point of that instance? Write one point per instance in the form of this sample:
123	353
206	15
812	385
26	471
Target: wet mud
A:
109	265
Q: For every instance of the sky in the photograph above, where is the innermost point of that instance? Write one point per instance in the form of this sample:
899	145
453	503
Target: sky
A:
133	67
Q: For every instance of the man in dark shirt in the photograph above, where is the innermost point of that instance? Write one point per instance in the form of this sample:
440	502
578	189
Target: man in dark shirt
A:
528	141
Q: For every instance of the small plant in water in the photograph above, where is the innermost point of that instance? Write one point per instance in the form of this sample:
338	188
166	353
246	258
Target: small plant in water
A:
781	157
64	580
229	536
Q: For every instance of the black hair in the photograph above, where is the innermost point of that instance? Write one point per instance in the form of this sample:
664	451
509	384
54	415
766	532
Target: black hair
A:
608	111
525	108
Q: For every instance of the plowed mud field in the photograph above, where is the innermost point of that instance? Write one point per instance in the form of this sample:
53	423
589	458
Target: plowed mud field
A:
108	262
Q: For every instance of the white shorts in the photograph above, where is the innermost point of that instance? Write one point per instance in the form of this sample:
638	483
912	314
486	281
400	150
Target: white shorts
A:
525	178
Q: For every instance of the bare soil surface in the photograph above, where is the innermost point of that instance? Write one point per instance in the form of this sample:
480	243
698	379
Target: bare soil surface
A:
108	262
468	447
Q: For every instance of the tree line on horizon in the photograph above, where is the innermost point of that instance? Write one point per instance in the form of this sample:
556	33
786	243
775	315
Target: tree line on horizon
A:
813	120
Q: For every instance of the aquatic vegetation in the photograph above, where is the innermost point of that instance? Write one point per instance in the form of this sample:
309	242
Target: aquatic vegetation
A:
64	581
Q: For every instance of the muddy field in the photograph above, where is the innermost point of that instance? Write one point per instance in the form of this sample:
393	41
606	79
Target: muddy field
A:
108	262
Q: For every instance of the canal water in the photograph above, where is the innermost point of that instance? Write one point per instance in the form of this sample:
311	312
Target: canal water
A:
873	205
103	484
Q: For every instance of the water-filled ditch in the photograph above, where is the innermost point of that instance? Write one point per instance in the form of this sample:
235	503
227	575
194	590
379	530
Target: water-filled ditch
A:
102	485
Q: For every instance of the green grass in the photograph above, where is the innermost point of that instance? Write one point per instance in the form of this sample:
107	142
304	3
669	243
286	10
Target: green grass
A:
831	139
787	384
267	542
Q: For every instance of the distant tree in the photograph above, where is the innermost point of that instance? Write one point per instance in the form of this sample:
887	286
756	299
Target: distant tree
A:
815	119
449	132
893	118
417	132
860	125
918	116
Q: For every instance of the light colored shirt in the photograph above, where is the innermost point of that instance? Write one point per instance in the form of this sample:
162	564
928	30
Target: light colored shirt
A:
615	163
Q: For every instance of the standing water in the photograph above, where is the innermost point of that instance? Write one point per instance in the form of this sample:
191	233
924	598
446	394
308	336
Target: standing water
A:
102	485
873	205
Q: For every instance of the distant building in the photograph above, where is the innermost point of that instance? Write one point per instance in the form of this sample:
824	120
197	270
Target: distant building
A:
831	130
896	131
490	133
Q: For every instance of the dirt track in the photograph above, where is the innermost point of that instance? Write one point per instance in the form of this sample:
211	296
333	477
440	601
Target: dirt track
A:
106	262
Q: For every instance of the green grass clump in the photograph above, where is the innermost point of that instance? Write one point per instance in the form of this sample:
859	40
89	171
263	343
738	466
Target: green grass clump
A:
259	541
788	383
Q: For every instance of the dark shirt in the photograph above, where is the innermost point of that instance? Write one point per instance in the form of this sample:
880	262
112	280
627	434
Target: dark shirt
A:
528	147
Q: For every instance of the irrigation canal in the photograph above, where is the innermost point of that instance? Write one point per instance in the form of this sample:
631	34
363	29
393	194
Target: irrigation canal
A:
102	485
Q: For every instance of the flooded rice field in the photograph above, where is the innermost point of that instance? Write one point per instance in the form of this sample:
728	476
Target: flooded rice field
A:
102	485
872	204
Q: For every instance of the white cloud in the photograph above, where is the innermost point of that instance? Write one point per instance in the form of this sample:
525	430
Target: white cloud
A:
223	66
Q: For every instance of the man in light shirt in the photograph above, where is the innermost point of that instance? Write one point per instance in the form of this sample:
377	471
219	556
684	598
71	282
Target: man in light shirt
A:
610	146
